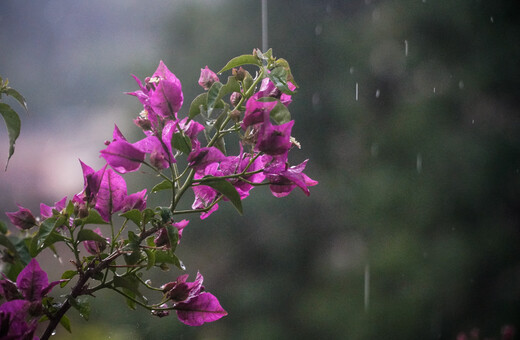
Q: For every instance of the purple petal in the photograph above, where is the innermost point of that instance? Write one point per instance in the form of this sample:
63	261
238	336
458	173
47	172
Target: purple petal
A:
123	156
32	281
199	310
135	201
23	218
202	157
111	195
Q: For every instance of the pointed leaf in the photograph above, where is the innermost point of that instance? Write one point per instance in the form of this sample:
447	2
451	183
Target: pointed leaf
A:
134	215
13	124
46	235
16	95
82	305
213	95
196	104
164	185
280	114
227	189
3	228
181	143
93	218
241	60
89	235
279	78
65	322
66	276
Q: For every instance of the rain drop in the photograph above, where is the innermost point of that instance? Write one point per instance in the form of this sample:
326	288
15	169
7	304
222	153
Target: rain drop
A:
492	20
351	70
406	48
357	91
318	29
378	93
53	332
473	121
434	90
461	84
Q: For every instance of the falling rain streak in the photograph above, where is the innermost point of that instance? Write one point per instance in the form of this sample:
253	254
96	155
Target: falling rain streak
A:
406	48
367	287
357	91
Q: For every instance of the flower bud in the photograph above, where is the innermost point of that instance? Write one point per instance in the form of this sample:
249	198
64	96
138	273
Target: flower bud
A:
239	74
23	218
207	78
235	98
235	115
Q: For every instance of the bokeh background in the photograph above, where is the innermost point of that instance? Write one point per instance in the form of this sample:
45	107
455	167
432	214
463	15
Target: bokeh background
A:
407	110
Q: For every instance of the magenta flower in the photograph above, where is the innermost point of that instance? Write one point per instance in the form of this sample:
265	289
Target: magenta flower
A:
135	201
105	189
274	139
194	306
207	78
200	158
268	89
13	324
256	112
23	218
33	282
95	247
46	211
283	179
237	164
123	156
161	237
161	93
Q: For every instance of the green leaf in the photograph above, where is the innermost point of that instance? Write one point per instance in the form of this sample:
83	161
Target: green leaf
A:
225	188
221	118
129	282
93	218
89	235
285	64
181	143
148	214
130	301
3	227
231	86
162	256
69	209
46	235
280	114
12	121
67	275
82	305
133	246
150	258
196	104
22	249
173	236
134	215
4	241
241	60
16	95
213	96
65	322
278	76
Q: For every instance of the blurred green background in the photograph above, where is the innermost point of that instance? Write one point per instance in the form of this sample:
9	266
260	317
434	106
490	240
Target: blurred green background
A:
407	110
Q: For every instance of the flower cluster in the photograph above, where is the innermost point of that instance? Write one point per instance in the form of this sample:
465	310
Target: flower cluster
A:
185	154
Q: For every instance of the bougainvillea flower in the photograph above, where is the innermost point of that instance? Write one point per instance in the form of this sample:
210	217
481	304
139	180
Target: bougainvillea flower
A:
284	179
162	92
161	237
268	89
46	211
207	78
92	181
8	290
256	111
111	195
237	164
191	129
135	201
203	308
123	156
274	139
13	324
22	219
204	197
33	282
95	247
194	306
202	157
